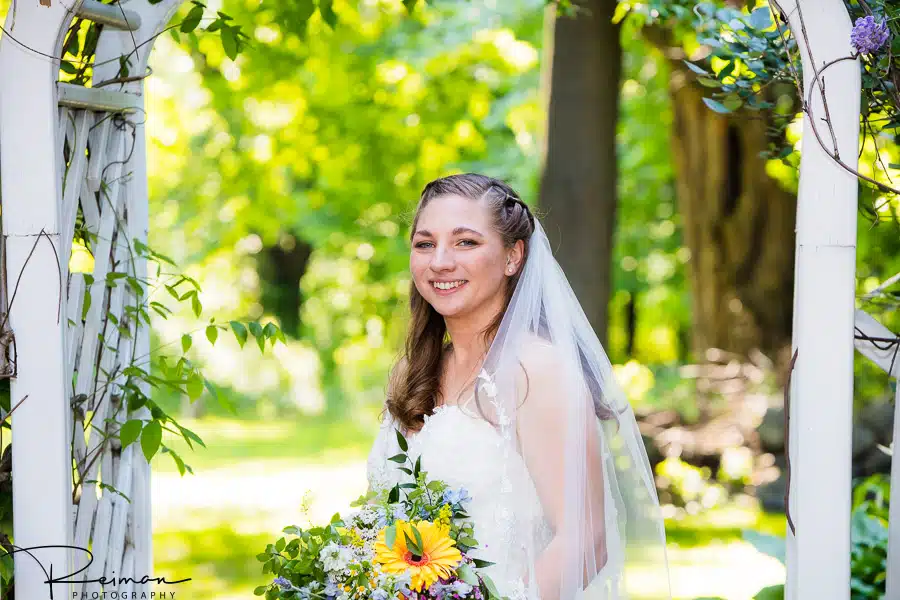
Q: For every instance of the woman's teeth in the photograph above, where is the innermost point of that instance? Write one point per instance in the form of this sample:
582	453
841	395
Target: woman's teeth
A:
448	285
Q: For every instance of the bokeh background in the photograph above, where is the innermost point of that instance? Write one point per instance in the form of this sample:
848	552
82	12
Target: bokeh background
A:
283	181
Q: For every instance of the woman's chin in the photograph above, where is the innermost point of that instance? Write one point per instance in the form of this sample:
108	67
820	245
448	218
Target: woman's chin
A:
448	307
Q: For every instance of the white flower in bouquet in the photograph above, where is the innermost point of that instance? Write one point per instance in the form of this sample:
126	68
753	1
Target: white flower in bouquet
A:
335	558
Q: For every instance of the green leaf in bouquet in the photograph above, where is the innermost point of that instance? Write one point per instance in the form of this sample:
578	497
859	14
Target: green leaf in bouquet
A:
418	537
408	486
411	545
280	544
390	536
398	458
466	573
435	486
394	495
260	590
480	564
491	587
407	471
262	557
460	514
468	541
401	441
418	467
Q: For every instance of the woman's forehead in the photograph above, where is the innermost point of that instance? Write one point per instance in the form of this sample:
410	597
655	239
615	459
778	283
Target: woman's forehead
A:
449	211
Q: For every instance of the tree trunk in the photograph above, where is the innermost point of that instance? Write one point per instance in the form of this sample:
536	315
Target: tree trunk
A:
738	224
578	185
280	269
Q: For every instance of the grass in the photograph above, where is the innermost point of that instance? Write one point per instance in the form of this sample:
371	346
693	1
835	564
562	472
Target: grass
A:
256	477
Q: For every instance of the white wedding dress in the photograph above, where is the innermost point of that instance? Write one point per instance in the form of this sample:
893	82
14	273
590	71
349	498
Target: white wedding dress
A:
459	447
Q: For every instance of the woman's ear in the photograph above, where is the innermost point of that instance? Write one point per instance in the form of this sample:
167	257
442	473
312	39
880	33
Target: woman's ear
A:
514	259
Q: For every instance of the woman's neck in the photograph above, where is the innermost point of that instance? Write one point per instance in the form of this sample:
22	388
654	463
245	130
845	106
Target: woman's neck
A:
467	333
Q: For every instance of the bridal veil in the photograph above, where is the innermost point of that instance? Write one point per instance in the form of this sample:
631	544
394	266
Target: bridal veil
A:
547	385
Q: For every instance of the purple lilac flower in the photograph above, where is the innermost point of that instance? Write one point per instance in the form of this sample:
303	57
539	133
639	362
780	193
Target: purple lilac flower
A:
400	513
283	583
868	35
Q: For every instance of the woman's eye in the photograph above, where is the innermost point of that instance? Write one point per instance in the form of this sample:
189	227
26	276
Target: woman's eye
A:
423	245
468	242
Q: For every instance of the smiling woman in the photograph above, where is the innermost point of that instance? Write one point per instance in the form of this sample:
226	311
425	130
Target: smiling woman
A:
505	391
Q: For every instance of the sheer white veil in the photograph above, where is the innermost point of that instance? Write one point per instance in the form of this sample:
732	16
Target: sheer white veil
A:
548	385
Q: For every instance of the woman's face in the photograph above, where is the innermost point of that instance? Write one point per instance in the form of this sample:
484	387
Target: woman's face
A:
458	261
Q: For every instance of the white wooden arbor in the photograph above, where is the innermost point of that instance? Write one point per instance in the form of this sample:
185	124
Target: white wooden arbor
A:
72	153
821	410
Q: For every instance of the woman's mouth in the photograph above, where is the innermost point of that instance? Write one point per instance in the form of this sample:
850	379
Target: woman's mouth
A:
444	288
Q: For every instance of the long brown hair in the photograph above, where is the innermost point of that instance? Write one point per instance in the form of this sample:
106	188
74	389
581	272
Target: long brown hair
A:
415	381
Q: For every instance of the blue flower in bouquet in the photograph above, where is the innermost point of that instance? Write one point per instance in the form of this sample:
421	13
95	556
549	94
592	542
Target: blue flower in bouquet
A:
379	594
400	513
331	589
283	583
456	496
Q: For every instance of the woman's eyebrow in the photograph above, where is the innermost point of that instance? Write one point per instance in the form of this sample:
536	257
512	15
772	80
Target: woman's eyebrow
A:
457	231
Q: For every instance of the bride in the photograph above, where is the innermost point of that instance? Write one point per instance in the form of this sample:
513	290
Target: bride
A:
507	395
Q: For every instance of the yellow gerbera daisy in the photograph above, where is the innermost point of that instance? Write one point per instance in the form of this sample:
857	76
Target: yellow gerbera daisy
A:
439	557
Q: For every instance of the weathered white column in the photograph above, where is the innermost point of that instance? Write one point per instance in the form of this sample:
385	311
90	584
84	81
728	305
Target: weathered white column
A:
821	410
112	44
29	160
884	355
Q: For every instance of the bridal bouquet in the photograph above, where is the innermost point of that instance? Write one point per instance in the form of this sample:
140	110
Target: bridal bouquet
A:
410	542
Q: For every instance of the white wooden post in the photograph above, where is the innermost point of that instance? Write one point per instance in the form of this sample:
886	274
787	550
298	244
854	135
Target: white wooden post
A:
886	357
29	159
818	563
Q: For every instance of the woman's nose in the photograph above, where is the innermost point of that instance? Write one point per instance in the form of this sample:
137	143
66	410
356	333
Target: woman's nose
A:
442	259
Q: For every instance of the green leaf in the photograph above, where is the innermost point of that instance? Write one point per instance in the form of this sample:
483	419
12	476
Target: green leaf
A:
466	573
186	342
280	544
696	69
229	41
151	437
772	592
480	564
760	18
401	441
130	431
212	333
398	458
390	536
179	464
256	329
412	545
726	70
195	387
240	332
259	590
716	106
195	304
192	20
326	9
86	305
189	436
410	5
270	331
